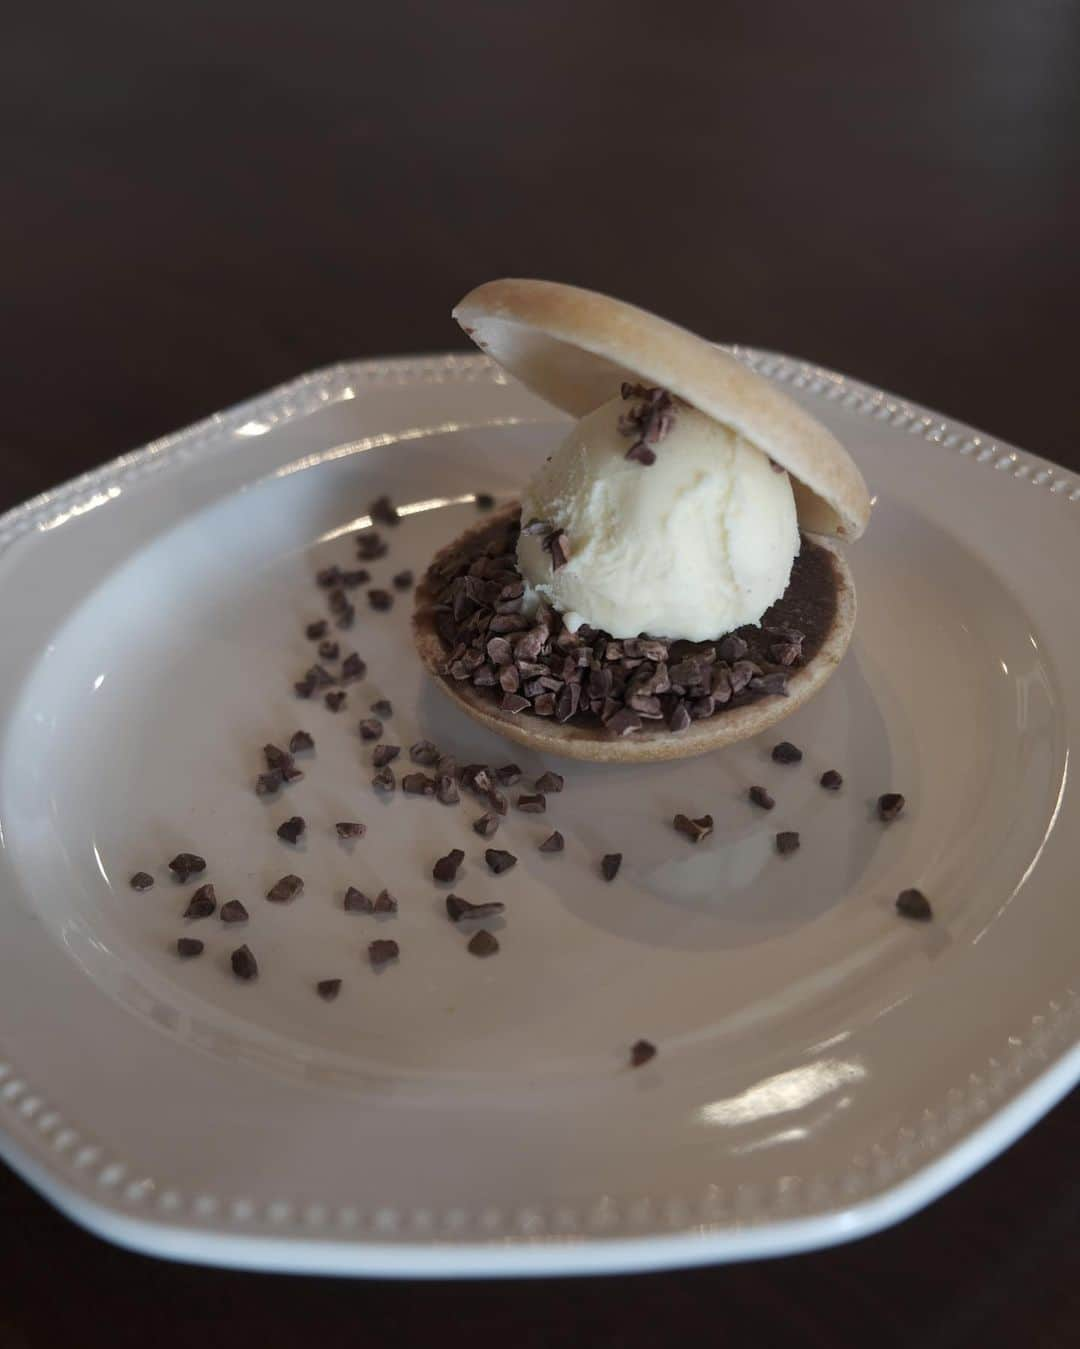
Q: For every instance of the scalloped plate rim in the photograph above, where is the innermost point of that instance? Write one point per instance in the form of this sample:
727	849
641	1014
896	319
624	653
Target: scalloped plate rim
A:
517	1254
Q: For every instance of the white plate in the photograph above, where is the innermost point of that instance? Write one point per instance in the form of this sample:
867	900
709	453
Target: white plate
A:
825	1067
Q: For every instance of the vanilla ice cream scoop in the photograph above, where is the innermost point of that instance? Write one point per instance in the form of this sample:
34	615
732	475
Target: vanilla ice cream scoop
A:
693	545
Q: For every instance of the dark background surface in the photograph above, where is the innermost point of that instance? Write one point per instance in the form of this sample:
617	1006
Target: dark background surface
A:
200	201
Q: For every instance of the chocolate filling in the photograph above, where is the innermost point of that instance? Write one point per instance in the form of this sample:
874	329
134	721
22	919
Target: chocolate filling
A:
533	665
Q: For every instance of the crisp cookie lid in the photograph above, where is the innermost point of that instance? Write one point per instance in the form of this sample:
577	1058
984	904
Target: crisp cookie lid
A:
575	347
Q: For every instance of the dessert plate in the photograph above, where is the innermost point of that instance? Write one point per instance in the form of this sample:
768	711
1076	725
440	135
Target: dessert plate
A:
824	1065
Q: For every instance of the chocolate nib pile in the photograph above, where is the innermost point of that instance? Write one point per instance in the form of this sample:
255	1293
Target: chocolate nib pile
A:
535	665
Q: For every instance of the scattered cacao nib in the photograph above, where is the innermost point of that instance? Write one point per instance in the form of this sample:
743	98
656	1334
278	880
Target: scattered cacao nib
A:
300	741
370	546
321	676
384	754
335	700
648	422
385	902
557	543
266	784
384	780
787	842
305	687
742	672
382	708
458	909
446	868
276	757
534	805
624	721
497	801
202	903
785	653
328	989
345	616
382	951
679	719
403	580
476	777
358	577
292	829
641	453
568	701
352	667
357	902
290	773
785	633
695	830
483	943
370	728
446	791
285	889
383	511
486	825
553	843
890	806
329	650
610	864
186	947
315	630
550	782
142	880
244	965
914	904
761	797
500	652
328	577
484	501
499	860
380	600
641	1053
775	682
424	752
786	752
418	784
186	864
831	780
508	775
232	911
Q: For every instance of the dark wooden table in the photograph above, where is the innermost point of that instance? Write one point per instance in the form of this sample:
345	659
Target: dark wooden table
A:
202	200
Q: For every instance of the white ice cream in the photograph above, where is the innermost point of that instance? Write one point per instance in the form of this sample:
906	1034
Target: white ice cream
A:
692	546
